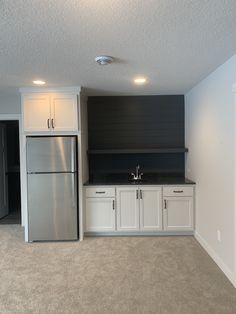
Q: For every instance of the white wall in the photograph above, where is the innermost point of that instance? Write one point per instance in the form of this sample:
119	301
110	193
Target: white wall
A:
209	110
10	104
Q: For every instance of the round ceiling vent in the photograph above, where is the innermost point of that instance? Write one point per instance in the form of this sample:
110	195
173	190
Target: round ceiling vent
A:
104	60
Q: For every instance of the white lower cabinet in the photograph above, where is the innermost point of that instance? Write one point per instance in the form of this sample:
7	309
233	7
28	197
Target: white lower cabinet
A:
127	209
100	209
100	214
139	208
178	213
150	208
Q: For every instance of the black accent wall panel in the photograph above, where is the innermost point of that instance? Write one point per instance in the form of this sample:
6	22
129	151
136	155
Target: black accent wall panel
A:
136	122
171	164
130	122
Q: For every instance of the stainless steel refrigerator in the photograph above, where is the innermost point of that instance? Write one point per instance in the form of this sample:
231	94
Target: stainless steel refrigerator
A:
52	188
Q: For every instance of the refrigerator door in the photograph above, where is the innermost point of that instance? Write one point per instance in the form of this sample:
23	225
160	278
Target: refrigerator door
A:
52	206
51	154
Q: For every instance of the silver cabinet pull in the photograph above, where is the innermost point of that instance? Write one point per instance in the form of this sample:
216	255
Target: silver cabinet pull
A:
141	194
137	194
179	191
53	126
48	122
100	192
113	204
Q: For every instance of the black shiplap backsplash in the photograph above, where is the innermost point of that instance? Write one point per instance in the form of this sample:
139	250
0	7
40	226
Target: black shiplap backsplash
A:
136	122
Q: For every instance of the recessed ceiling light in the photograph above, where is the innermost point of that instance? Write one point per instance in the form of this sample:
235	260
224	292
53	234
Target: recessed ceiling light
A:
39	82
140	80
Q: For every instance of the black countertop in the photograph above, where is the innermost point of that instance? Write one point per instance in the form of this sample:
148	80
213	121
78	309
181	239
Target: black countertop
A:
150	179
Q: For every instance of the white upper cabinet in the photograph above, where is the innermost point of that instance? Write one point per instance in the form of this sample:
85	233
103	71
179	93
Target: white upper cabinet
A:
64	112
150	208
50	111
36	112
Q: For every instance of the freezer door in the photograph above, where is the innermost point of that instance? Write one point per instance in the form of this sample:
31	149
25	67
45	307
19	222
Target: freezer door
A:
52	207
51	154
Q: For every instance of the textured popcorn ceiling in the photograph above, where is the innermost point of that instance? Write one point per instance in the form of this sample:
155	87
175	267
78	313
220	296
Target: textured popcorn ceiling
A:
175	43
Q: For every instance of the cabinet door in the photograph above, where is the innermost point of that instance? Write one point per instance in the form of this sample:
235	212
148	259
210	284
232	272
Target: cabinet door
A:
150	208
64	112
36	112
127	209
178	213
100	214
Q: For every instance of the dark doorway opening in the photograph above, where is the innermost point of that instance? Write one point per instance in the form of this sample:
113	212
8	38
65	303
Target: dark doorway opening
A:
10	200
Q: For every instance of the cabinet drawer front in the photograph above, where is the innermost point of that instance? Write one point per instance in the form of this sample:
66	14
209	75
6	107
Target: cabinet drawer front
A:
100	192
178	191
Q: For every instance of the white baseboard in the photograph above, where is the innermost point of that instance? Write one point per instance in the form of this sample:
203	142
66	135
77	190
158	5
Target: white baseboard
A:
137	233
229	274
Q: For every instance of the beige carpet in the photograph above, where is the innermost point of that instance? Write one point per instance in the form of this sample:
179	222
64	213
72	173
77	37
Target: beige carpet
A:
110	275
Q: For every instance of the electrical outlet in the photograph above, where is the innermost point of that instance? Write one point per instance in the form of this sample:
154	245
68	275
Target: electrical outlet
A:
219	235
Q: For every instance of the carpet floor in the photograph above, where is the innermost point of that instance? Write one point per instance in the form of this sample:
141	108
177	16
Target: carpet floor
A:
166	275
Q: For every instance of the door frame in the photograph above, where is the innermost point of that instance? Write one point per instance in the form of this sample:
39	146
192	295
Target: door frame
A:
5	201
233	280
17	117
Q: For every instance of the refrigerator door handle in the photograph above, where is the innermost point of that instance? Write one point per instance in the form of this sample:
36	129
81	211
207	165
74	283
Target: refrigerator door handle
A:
74	187
73	156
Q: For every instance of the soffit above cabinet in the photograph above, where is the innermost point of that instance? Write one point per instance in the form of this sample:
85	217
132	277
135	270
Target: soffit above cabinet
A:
69	89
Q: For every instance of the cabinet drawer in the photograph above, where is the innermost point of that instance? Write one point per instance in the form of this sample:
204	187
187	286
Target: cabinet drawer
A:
178	191
100	192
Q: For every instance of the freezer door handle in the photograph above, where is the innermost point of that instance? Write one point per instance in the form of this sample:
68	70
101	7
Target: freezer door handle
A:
74	187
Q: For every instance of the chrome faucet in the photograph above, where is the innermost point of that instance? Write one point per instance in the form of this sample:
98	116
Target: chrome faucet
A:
137	175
